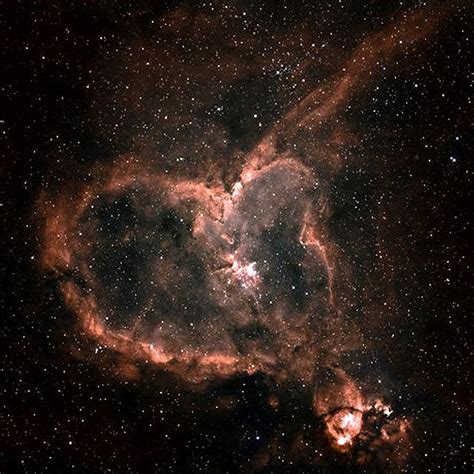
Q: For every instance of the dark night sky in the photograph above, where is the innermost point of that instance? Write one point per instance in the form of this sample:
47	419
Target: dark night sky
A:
273	194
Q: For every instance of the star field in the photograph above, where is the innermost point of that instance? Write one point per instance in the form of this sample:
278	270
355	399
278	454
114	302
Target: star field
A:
236	236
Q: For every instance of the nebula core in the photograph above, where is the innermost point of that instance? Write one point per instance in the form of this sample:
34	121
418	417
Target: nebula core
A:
226	255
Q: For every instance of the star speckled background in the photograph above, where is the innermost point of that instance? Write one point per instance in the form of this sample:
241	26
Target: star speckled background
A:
236	236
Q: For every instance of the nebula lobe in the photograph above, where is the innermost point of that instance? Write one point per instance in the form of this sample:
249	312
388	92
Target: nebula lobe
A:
152	261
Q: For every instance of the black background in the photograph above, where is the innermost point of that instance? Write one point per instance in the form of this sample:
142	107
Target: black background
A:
59	412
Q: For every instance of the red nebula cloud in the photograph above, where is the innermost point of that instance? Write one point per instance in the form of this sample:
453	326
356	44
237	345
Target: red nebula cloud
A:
238	277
